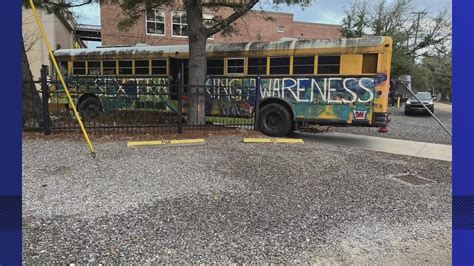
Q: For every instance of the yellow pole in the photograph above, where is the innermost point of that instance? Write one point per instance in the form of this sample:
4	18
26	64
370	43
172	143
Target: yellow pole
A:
53	59
398	102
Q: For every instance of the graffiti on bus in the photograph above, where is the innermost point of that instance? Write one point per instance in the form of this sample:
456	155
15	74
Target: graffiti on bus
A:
131	87
327	90
329	94
237	96
118	93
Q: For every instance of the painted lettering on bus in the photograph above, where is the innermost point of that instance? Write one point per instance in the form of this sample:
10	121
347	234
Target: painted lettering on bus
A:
330	90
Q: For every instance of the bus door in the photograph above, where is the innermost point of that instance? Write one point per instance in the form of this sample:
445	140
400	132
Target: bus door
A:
179	65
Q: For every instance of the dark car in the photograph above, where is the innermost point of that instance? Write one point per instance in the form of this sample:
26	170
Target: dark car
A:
412	105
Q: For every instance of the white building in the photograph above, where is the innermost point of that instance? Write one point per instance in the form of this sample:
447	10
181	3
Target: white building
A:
60	32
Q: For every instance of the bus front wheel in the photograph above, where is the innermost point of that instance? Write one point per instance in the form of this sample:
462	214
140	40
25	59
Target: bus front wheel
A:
275	120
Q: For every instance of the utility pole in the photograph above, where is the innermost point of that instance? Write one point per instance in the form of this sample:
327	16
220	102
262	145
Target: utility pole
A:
419	14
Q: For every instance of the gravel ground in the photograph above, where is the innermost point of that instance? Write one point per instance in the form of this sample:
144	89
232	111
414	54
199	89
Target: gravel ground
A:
416	127
226	201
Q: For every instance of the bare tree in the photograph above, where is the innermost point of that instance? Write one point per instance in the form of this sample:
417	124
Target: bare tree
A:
31	104
355	22
30	36
414	33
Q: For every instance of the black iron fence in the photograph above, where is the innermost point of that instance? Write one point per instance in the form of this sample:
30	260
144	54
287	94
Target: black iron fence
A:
138	105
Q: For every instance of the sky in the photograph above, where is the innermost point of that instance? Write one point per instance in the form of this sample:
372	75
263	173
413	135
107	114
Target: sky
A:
332	11
321	11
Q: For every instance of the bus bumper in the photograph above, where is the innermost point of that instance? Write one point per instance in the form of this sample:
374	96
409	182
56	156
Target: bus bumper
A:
380	119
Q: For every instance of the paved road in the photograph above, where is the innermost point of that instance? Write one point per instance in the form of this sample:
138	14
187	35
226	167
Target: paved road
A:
232	202
410	127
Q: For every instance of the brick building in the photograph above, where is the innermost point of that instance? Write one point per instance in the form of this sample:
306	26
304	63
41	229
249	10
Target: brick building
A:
168	26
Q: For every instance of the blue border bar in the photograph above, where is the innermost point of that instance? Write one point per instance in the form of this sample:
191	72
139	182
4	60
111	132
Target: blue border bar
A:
10	134
463	145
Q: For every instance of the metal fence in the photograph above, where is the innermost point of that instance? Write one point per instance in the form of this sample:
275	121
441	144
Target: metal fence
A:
138	106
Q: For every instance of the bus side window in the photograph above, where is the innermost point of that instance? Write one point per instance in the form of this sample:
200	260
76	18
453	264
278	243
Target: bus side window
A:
110	67
142	67
79	68
93	68
125	67
329	64
215	67
303	65
235	66
369	63
158	67
257	66
279	66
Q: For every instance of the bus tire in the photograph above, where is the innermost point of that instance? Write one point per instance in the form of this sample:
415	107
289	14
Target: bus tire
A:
89	108
275	120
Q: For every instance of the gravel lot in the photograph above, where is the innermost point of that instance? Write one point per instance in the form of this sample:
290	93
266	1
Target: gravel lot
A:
226	201
416	127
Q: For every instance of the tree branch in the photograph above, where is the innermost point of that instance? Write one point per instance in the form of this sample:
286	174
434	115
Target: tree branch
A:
68	5
139	11
230	19
219	5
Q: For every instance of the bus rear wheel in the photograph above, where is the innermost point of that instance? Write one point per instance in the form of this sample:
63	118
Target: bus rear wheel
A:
89	108
275	120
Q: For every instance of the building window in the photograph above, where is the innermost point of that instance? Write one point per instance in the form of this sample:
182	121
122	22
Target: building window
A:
369	63
155	22
208	21
79	68
158	67
235	66
180	23
125	67
281	29
280	66
142	67
303	65
215	66
257	66
329	64
93	68
109	67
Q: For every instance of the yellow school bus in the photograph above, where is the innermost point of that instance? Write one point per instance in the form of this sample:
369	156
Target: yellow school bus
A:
343	82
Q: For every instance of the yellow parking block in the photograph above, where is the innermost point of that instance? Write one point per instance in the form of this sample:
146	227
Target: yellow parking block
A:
272	140
132	144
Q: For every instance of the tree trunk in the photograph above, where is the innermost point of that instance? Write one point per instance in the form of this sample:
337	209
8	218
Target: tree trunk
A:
197	64
31	104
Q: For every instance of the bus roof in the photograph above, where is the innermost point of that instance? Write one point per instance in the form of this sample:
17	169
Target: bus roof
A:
228	47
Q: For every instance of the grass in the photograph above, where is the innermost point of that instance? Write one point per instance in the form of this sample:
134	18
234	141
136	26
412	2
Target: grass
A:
229	120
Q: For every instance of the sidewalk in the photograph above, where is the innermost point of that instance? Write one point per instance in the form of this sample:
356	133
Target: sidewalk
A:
395	146
443	107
